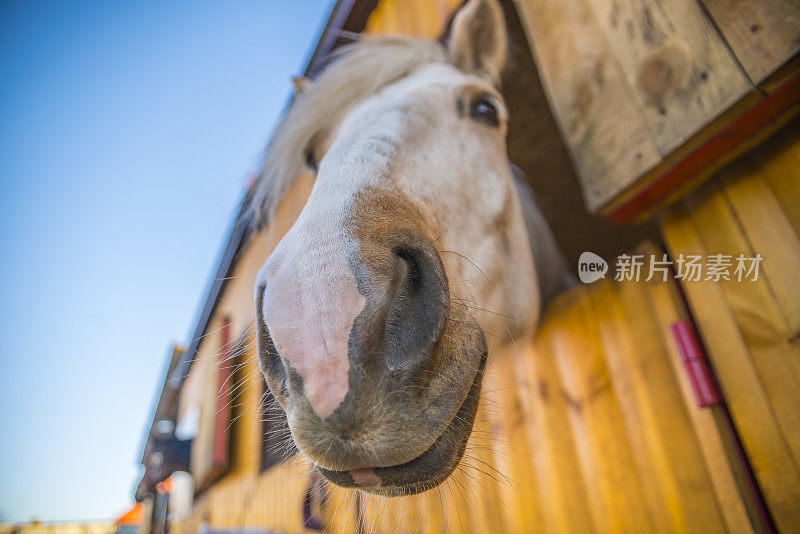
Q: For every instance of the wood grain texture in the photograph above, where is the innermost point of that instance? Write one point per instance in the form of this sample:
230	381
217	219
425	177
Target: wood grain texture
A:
669	459
780	166
594	414
506	437
417	18
564	498
764	34
763	189
770	234
682	74
207	364
341	510
584	428
754	305
606	131
732	500
745	394
641	89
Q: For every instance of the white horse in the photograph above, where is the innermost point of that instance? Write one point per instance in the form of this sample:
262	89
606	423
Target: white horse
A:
415	241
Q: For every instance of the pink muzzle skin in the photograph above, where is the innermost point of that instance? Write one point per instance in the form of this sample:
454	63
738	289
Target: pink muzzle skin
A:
366	477
310	304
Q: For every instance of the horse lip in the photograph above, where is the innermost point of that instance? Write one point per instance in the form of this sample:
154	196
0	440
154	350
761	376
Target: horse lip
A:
393	478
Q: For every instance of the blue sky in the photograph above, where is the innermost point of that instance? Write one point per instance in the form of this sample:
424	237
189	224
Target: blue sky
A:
127	132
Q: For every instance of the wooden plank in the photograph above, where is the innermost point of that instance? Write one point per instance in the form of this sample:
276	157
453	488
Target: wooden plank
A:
658	486
480	478
764	34
384	19
770	233
754	306
430	21
780	161
340	510
456	504
389	520
416	18
729	493
665	449
430	507
682	74
208	364
511	463
371	508
697	160
564	499
594	106
745	395
604	452
245	390
375	22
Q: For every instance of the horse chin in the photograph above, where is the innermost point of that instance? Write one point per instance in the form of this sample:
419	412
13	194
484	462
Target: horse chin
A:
427	470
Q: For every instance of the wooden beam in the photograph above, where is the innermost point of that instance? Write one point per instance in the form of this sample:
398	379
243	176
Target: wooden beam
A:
682	74
605	130
678	175
764	34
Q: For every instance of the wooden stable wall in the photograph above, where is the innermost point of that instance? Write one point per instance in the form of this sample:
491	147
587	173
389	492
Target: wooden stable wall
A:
640	87
271	500
417	18
752	329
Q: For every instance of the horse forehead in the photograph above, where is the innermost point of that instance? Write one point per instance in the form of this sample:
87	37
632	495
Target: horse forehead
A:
429	76
432	81
435	79
388	114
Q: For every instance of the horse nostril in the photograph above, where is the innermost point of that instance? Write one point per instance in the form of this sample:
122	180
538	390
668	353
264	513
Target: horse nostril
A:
271	363
417	309
413	279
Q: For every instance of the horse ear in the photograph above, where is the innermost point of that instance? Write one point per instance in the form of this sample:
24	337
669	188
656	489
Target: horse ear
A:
478	42
301	83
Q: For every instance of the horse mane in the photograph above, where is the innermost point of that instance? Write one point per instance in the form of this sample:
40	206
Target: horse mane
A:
355	72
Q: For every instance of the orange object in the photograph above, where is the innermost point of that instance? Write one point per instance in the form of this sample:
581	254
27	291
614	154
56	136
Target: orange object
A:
132	517
165	486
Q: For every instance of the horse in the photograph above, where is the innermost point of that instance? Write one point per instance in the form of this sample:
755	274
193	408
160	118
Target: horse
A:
417	241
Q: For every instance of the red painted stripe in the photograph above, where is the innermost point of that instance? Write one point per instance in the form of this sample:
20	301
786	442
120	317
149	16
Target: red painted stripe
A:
222	414
694	363
716	147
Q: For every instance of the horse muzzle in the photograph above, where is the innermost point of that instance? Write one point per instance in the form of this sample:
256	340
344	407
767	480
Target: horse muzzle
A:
377	367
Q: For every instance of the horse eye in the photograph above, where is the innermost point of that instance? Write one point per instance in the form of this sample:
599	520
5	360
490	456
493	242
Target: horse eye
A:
311	161
483	110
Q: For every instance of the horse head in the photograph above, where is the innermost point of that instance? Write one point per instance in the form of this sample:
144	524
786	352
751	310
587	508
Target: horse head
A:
373	310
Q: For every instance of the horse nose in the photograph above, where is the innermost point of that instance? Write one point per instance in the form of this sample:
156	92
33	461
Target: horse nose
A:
334	313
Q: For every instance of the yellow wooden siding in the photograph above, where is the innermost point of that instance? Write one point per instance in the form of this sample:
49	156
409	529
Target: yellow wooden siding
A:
206	367
752	329
417	18
271	500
